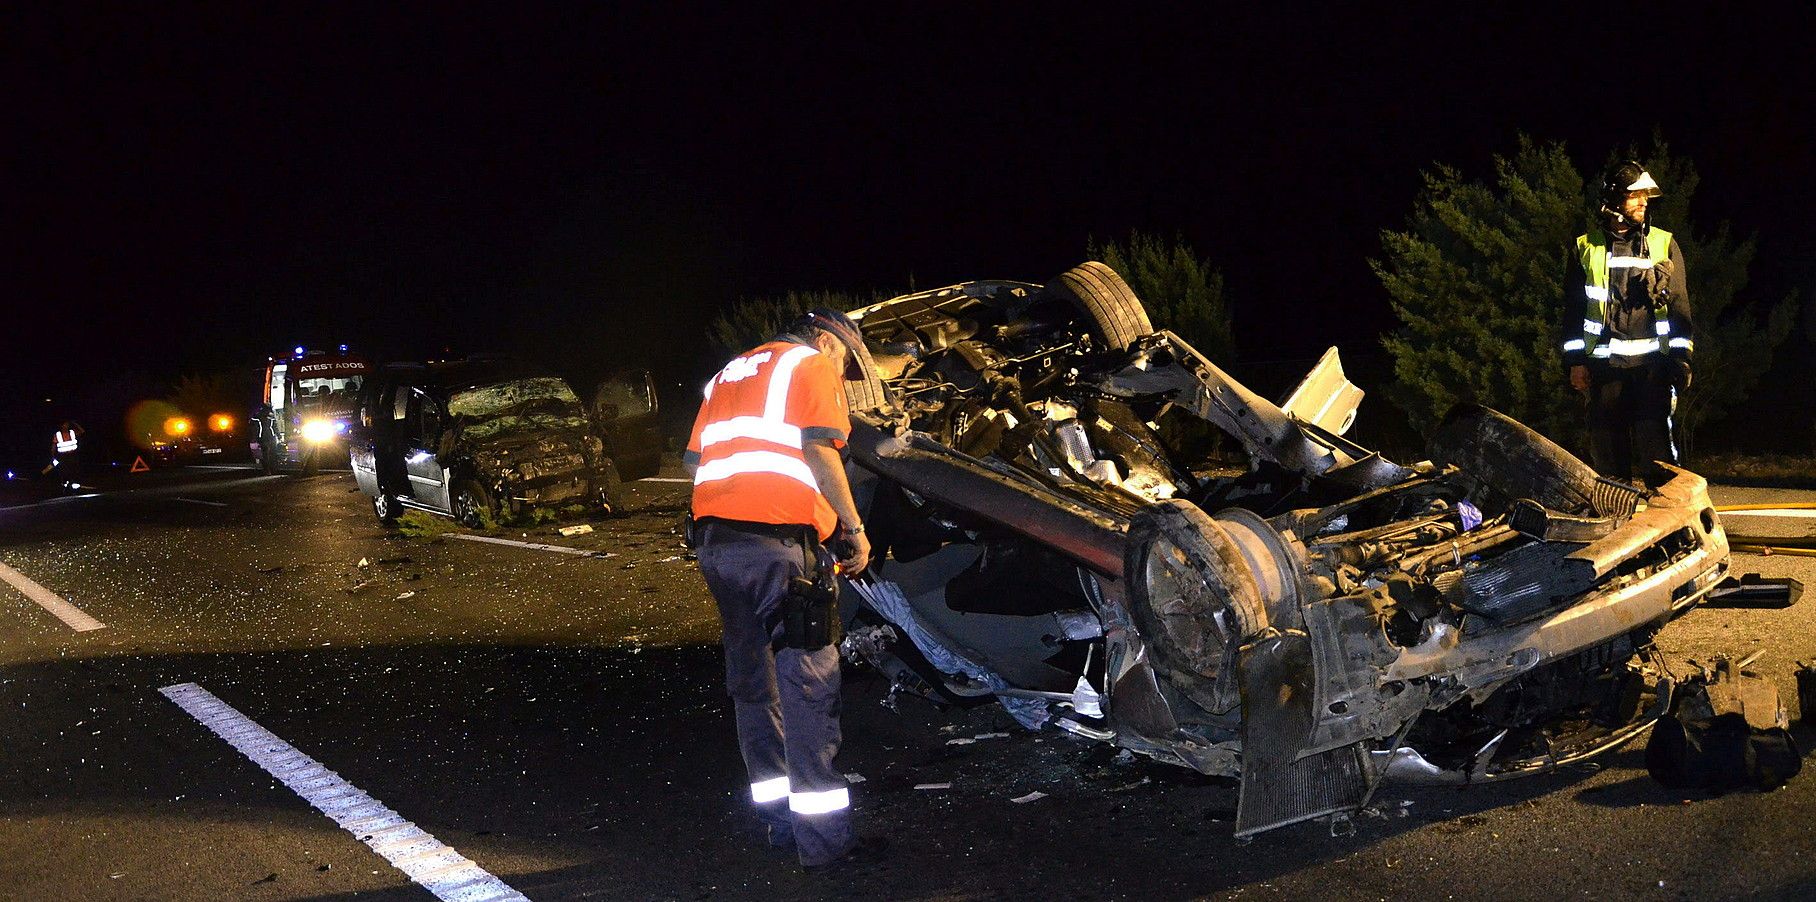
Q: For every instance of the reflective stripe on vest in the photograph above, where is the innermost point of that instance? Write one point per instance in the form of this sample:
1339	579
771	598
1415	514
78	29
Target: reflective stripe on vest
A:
66	442
771	426
1592	251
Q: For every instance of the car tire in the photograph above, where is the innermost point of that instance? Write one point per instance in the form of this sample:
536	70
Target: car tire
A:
473	505
1183	629
1511	461
386	508
1117	315
868	393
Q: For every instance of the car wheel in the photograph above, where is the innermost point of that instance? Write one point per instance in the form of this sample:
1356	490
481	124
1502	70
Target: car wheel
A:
473	505
1512	461
868	393
1095	289
386	508
1193	595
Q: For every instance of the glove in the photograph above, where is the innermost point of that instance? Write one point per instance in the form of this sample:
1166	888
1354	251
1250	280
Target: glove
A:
1579	377
1680	374
1658	281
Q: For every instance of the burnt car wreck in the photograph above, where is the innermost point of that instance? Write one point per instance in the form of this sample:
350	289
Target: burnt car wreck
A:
487	439
1314	625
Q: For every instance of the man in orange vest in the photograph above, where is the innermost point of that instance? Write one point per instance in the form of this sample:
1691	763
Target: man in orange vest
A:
770	494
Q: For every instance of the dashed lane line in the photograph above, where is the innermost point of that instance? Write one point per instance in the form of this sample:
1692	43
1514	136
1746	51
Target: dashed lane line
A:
200	501
665	479
447	874
536	546
71	615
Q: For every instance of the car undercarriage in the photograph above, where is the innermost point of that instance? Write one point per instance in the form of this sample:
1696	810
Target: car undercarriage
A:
1053	532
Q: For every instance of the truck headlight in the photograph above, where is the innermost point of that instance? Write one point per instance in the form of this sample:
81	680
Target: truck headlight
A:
316	432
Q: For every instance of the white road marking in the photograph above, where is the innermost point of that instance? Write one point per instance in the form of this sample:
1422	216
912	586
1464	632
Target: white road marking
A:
665	479
199	501
537	546
439	869
1779	512
50	601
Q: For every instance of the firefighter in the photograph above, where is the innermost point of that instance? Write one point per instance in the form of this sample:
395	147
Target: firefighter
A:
67	455
1627	333
770	497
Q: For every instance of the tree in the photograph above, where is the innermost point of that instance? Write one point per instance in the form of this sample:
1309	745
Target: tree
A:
1475	280
749	321
1180	289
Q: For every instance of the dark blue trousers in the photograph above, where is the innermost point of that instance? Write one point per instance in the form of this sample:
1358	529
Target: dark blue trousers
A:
787	701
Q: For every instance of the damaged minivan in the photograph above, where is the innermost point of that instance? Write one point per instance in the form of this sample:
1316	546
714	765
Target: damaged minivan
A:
1314	623
488	439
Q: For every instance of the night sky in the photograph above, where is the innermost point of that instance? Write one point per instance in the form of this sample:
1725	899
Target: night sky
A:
195	191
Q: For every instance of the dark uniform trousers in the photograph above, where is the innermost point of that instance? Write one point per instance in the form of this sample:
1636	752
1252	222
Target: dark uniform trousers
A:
787	700
1630	417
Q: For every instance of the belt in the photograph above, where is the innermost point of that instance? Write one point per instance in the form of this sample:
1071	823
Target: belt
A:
770	530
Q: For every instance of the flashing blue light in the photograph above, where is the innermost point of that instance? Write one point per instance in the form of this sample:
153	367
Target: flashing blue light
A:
9	474
343	349
340	426
299	350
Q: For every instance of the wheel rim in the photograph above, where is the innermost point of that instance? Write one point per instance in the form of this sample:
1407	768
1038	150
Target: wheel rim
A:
466	510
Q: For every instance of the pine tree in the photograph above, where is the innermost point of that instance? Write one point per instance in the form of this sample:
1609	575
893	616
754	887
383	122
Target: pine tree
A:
1180	289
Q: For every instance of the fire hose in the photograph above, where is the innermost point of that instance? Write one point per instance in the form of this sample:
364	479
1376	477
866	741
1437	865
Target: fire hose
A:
1804	546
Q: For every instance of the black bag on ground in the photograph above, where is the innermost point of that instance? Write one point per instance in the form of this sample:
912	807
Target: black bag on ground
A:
1726	731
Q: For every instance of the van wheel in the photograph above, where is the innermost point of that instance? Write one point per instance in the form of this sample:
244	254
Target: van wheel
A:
386	508
473	505
1095	289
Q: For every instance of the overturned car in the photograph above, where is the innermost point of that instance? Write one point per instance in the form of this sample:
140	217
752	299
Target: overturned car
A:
1314	624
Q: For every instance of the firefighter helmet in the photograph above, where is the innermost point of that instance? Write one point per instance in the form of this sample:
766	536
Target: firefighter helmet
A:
1624	178
840	326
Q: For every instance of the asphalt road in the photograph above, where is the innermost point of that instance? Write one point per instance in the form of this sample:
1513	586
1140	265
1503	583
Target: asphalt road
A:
555	721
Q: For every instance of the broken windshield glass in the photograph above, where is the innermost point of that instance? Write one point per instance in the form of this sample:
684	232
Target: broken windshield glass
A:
526	404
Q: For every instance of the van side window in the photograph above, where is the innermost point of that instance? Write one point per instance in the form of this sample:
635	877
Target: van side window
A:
400	405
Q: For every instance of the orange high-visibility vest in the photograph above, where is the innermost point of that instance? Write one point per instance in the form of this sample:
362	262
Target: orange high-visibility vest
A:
747	437
66	441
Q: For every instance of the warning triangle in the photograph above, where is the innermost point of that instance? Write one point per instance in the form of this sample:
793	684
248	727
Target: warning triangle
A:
139	465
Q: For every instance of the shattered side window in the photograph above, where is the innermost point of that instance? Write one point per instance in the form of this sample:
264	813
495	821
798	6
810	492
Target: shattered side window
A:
523	405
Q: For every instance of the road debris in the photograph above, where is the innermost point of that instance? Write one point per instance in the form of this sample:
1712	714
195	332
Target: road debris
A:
578	530
933	786
1034	796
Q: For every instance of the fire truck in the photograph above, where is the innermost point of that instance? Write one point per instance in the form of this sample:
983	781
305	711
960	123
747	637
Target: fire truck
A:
307	405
